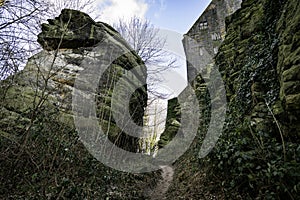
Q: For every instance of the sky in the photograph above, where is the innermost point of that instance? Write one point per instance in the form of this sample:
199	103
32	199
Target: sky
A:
173	17
176	15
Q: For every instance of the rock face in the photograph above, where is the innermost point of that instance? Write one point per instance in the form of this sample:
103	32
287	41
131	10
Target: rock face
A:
172	122
74	34
259	60
42	156
258	153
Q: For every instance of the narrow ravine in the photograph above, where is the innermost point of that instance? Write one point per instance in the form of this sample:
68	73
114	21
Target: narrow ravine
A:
160	190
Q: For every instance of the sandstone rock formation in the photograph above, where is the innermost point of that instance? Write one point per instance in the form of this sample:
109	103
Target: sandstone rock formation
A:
42	154
257	154
77	29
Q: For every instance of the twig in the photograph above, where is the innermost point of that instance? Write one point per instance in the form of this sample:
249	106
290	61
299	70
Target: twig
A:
280	132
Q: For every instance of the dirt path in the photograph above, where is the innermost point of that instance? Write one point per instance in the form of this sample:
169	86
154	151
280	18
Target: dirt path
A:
167	176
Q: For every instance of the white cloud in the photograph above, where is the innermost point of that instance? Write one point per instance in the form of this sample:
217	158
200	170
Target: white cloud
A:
113	10
110	11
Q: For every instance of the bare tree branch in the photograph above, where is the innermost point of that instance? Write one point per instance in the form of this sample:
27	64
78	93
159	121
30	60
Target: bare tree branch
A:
150	46
20	23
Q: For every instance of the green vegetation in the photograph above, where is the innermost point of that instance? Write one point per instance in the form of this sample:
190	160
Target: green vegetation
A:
258	154
42	156
256	157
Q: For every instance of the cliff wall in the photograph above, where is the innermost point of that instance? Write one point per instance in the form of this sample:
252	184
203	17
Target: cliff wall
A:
42	156
257	154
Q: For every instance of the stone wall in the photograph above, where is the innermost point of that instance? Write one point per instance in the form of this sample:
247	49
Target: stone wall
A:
207	33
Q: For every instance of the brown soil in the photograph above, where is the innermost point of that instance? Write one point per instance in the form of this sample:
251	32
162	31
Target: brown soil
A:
158	193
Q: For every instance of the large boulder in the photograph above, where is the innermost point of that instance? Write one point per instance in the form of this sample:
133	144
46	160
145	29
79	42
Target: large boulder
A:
42	155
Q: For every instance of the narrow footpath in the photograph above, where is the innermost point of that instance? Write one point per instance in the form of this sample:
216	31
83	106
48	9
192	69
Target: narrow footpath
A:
160	190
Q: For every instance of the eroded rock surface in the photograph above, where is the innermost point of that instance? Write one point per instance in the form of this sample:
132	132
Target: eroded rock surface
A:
42	154
259	64
72	29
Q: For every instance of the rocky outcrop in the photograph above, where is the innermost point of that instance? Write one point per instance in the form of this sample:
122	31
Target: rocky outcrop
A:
288	68
259	67
53	73
257	155
71	30
42	156
172	122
